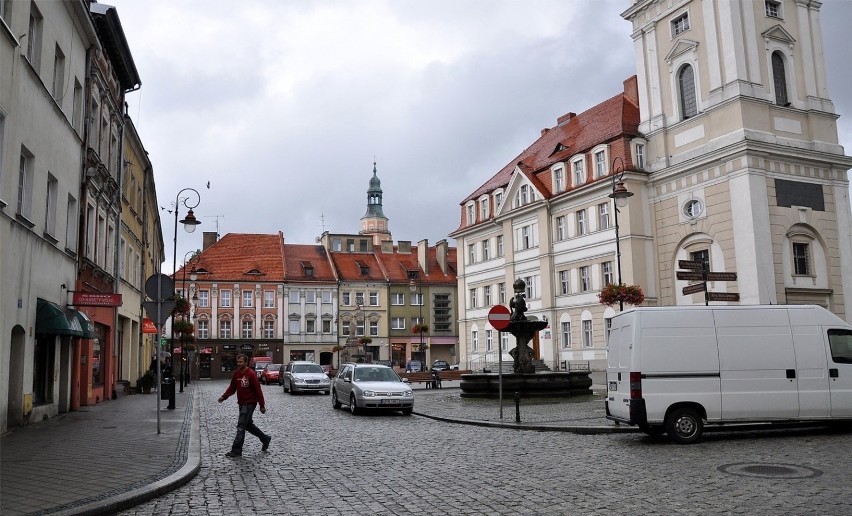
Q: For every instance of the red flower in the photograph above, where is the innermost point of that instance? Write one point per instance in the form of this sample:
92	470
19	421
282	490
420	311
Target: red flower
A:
630	294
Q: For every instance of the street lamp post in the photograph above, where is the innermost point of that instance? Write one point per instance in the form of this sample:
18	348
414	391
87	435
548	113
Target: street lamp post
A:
189	222
621	195
418	287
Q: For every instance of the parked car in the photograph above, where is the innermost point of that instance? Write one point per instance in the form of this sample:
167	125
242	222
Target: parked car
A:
371	386
305	377
271	374
454	367
440	365
413	366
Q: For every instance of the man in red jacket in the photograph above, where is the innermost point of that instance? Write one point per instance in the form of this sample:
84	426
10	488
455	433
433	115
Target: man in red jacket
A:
249	395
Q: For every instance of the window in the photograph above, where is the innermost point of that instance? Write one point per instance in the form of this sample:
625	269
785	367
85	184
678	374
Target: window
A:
248	327
471	215
326	296
640	156
603	215
801	259
489	340
474	340
51	205
773	8
486	249
44	359
248	298
71	219
686	81
310	296
374	328
564	284
398	299
359	328
504	340
585	279
483	209
374	298
524	195
559	180
587	334
442	312
498	200
486	295
561	229
499	246
680	24
840	342
224	329
608	328
34	37
5	10
326	326
294	297
471	253
359	298
702	256
693	208
58	74
204	298
566	335
269	299
582	227
25	183
606	272
2	138
202	329
295	327
398	323
225	298
779	79
416	299
530	292
268	329
310	326
472	297
77	108
600	164
346	299
579	172
501	292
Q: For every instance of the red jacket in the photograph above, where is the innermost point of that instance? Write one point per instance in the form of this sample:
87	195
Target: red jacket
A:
245	384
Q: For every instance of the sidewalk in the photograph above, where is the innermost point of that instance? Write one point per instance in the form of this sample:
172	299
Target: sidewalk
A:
100	459
109	457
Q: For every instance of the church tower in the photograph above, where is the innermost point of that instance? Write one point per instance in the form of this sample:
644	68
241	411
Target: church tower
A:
374	222
744	169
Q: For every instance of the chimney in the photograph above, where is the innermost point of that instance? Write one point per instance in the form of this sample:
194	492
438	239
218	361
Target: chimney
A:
404	246
387	246
209	238
442	253
545	131
423	255
631	90
564	119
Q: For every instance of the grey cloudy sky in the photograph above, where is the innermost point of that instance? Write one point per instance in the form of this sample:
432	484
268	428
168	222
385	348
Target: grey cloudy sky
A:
283	105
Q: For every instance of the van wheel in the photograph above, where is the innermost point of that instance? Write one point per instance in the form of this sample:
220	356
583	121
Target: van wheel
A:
684	426
652	430
334	401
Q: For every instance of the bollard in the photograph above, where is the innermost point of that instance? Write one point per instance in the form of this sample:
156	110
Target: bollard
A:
517	407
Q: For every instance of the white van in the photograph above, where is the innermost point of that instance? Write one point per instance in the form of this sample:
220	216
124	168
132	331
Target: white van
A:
675	369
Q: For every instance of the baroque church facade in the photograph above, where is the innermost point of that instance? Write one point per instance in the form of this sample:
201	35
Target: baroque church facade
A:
727	139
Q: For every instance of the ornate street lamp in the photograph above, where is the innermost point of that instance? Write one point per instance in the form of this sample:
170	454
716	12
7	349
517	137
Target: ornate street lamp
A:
189	222
621	195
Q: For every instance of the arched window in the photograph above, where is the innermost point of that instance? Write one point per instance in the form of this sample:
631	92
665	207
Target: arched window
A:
779	78
686	80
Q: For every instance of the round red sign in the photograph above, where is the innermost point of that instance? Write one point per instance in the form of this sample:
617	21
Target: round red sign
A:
499	316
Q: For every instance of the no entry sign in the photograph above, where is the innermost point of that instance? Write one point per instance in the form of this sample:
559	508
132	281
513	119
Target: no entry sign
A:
499	316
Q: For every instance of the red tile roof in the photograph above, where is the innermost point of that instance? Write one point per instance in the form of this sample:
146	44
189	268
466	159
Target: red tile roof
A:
236	254
398	264
297	257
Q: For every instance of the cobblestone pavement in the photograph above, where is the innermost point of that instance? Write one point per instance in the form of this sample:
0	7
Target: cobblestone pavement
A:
325	461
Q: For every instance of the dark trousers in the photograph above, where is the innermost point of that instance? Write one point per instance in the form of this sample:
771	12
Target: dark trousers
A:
244	424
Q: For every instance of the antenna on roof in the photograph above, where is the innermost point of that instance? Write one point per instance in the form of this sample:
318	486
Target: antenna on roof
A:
217	222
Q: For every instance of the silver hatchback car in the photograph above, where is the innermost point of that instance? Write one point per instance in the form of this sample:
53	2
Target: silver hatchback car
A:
305	377
371	386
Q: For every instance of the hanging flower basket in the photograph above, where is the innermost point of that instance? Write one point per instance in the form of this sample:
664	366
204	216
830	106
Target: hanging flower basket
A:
365	340
183	326
181	305
613	294
337	349
420	328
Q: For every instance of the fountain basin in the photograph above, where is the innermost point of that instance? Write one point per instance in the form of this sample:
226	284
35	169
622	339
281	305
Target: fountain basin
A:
545	384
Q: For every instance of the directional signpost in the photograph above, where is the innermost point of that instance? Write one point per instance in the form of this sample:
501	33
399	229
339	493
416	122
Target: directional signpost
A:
159	287
698	271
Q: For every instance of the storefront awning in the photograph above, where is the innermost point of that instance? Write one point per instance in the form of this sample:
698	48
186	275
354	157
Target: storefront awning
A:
86	325
52	319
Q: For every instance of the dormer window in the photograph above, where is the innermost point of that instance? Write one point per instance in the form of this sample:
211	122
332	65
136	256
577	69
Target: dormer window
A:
483	209
307	269
254	272
471	214
579	171
363	268
498	200
559	179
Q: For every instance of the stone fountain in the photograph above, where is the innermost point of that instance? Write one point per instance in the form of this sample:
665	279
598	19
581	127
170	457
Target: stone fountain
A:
524	379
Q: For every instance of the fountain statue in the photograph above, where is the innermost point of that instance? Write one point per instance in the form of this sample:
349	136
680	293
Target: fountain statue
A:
524	379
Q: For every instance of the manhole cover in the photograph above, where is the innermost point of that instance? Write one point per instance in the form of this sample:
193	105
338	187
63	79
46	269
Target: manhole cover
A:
768	470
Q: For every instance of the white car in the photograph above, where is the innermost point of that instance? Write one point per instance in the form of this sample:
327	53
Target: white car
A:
305	377
371	386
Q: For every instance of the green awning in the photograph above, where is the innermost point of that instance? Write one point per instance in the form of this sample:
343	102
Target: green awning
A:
52	319
86	325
